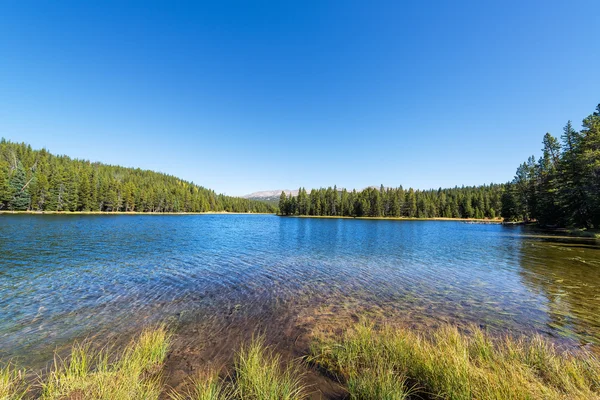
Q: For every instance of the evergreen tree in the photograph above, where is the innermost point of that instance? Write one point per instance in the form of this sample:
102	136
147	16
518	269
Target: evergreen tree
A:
6	193
84	198
49	183
411	204
283	204
590	159
563	187
549	210
17	183
571	176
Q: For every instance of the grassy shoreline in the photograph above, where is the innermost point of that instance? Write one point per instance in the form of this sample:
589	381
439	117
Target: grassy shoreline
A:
388	362
368	361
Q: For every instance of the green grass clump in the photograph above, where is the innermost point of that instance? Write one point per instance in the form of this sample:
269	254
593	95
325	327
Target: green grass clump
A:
447	364
378	382
135	373
12	383
260	375
207	386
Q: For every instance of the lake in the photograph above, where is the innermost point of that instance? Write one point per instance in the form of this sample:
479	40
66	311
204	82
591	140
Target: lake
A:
66	277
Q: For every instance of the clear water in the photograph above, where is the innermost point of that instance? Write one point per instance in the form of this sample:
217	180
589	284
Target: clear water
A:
67	277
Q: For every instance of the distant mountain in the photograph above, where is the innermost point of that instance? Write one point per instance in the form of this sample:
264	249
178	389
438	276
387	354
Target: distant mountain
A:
270	194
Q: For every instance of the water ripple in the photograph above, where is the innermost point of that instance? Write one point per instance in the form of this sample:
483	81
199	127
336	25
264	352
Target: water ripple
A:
65	277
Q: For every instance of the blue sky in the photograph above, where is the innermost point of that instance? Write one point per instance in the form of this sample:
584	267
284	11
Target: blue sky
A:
246	96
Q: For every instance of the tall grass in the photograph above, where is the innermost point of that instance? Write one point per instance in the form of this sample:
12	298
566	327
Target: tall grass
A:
448	364
378	381
207	386
383	363
12	383
261	375
135	373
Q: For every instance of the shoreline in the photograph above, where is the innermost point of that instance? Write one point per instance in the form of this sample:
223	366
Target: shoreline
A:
565	232
574	232
581	233
473	220
197	347
7	212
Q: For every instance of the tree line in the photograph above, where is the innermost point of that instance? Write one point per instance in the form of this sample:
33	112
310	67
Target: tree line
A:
36	180
464	202
560	189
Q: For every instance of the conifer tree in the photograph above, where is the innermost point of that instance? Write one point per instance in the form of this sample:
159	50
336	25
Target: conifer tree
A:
18	188
5	188
283	204
63	184
590	159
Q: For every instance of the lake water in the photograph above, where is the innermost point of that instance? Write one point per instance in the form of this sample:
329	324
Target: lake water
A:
67	277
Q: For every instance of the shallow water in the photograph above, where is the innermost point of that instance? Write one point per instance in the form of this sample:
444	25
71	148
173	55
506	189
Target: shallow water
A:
67	277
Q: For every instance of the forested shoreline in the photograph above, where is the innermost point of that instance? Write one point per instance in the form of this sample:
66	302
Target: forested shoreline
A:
36	180
560	189
467	202
563	187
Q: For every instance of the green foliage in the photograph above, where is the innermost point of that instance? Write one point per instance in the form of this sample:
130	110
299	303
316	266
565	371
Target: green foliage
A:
448	364
133	374
39	181
378	381
563	187
374	362
207	386
261	376
17	183
5	188
12	383
283	203
464	202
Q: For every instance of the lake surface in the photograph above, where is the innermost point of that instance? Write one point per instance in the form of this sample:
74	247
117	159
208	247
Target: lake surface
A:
67	277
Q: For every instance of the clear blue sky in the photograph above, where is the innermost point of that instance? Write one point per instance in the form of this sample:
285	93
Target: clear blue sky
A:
246	96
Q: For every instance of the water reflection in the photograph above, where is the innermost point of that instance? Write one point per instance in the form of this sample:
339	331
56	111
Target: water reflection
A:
567	274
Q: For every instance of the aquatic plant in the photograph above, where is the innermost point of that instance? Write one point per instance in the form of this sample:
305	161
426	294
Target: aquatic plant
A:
12	383
382	362
206	386
450	364
261	375
134	373
378	381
